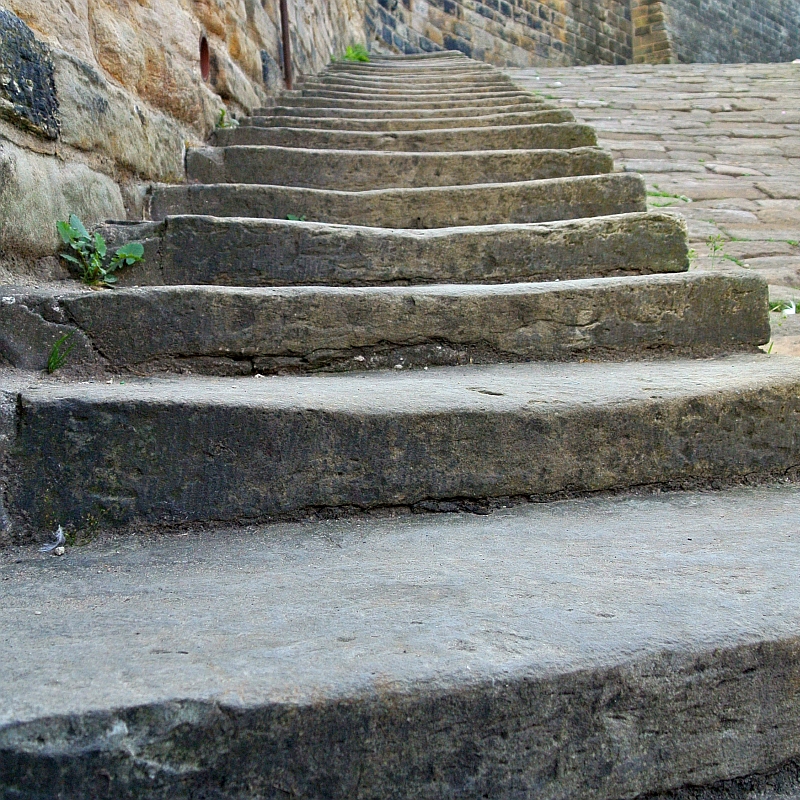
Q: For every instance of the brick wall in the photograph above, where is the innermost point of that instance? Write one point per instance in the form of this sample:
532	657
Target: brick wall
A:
716	31
507	32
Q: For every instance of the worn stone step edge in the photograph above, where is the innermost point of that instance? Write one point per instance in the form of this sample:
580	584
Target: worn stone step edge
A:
454	77
376	68
443	99
533	137
412	70
233	330
263	252
186	450
409	112
423	95
474	101
529	659
402	124
376	89
431	207
380	85
361	170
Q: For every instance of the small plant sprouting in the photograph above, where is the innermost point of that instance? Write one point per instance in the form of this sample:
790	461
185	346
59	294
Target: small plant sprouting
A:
356	52
90	253
296	218
785	307
716	244
692	256
670	198
737	261
59	352
224	121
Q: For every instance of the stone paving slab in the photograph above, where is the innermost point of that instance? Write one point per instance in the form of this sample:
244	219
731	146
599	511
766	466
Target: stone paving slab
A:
717	143
591	649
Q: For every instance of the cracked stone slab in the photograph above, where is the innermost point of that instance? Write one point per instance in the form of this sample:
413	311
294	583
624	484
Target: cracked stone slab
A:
343	328
264	252
498	137
362	170
408	124
189	449
590	649
430	207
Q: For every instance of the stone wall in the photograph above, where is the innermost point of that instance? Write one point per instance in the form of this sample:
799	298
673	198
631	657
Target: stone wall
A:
517	33
716	31
98	96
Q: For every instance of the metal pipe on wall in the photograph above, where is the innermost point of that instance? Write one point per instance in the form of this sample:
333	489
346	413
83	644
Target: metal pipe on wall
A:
287	52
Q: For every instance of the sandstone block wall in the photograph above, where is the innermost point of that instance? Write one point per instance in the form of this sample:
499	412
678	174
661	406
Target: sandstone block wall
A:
517	33
716	31
99	96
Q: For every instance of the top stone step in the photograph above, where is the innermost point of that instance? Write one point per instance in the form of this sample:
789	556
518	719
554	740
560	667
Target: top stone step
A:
381	87
443	79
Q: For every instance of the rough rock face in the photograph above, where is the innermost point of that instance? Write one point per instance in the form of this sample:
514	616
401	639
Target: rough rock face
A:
96	96
36	190
27	88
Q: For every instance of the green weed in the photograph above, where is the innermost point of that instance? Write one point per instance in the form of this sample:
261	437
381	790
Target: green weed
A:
295	218
658	193
783	307
716	245
58	352
224	121
737	261
356	52
90	251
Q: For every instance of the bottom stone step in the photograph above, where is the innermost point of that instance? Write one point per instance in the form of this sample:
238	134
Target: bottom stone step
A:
186	449
591	650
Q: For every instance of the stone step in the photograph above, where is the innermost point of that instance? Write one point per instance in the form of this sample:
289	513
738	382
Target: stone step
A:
400	112
235	330
591	649
382	86
377	88
185	450
362	170
261	252
418	72
455	77
498	137
466	97
431	207
409	124
441	68
477	101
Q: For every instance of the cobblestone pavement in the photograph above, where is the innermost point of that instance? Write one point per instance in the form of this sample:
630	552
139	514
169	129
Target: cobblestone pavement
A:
719	143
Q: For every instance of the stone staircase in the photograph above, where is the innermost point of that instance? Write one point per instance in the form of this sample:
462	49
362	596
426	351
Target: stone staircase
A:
409	285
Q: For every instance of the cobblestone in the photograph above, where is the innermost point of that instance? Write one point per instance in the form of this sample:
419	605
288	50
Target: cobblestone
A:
717	143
